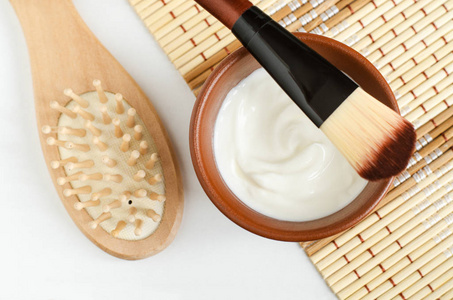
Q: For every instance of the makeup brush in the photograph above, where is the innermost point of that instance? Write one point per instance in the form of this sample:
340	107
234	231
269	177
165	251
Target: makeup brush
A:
375	140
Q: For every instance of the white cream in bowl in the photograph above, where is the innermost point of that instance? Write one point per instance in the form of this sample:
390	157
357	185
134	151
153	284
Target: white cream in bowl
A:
275	160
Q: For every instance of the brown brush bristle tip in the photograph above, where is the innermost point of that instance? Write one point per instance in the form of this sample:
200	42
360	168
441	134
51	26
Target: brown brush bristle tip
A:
394	155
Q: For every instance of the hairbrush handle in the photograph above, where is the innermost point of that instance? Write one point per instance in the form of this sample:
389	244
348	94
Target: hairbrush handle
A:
226	11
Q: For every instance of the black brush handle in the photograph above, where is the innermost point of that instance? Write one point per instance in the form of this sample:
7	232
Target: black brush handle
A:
313	83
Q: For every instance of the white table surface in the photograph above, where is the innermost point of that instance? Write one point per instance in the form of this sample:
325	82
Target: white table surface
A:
42	253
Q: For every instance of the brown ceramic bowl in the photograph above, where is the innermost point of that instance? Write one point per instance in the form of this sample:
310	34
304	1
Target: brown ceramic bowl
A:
228	74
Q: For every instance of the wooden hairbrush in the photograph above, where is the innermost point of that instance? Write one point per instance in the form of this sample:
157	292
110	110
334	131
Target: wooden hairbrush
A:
108	154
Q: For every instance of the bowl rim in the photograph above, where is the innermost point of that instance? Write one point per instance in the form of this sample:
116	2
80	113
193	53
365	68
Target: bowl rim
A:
219	200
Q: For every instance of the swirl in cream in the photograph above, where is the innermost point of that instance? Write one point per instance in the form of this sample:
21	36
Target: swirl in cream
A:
275	159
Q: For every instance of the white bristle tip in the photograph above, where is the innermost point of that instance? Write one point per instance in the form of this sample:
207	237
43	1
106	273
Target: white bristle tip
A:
131	111
50	141
123	198
155	179
140	193
61	181
93	225
78	206
46	129
108	161
140	175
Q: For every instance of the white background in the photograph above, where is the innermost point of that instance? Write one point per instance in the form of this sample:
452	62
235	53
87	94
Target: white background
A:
42	253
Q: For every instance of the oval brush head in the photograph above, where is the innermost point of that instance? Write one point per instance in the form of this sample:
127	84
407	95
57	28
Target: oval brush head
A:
111	163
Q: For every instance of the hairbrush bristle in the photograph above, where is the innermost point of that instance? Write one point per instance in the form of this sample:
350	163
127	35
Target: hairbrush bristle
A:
104	153
376	141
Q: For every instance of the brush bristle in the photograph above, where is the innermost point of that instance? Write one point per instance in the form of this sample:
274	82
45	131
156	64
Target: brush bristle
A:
376	141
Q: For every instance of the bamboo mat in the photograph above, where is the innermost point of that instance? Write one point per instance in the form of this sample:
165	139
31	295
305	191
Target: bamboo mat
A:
404	250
